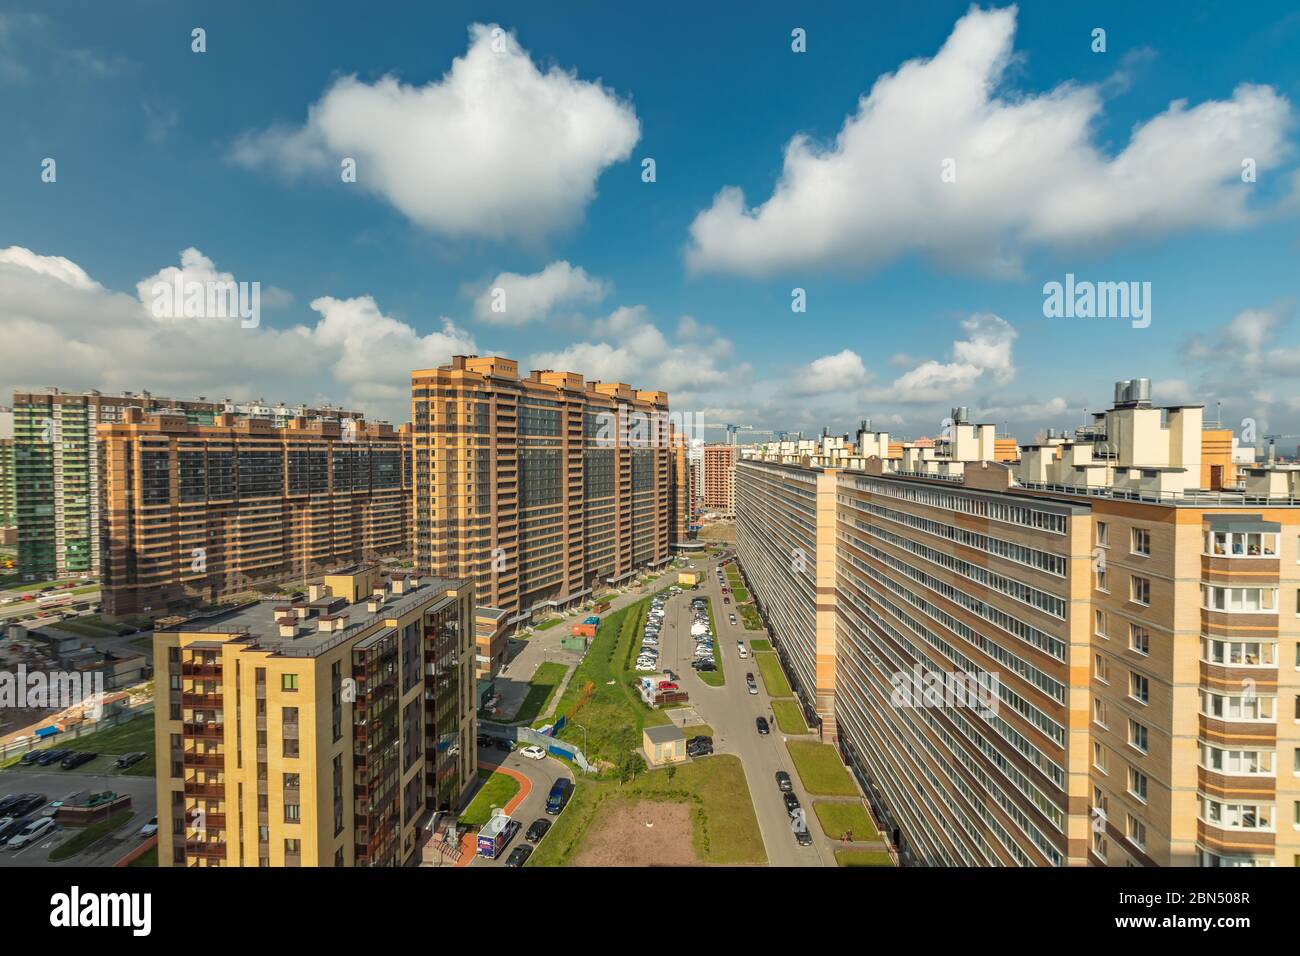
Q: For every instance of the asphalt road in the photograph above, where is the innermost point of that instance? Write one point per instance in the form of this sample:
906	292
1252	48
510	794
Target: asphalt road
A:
541	774
731	711
59	784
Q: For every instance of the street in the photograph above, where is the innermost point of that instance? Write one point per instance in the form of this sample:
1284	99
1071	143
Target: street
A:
731	711
541	775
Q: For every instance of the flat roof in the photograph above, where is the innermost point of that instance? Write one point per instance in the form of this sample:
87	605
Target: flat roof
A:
257	623
664	733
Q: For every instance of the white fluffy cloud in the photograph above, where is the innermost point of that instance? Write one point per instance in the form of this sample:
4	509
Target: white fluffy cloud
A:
1027	171
984	355
840	372
76	334
513	299
496	148
698	372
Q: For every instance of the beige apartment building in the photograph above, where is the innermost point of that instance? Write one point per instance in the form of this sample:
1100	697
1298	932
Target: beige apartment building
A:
544	489
321	731
198	513
1088	656
720	479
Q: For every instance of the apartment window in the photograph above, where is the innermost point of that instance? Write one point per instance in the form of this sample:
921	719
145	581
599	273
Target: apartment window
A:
1100	668
1099	712
1295	766
1237	816
1099	757
1141	541
291	781
1099	623
289	683
1136	831
1241	544
1099	844
292	813
1139	688
1099	801
1238	706
1237	762
338	857
1240	600
1239	653
1137	735
1140	590
1137	784
1139	639
1103	534
290	746
1103	579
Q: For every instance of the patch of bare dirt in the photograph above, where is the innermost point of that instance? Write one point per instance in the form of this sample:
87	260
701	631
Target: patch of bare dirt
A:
644	833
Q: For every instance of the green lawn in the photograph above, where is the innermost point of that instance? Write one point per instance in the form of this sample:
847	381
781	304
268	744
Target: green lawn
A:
546	680
724	828
820	769
749	615
600	694
91	834
789	717
546	624
773	677
714	678
849	857
697	730
838	818
148	858
497	791
760	644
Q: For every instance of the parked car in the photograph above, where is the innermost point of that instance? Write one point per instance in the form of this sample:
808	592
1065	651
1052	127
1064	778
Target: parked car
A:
645	664
8	802
753	688
519	856
504	743
731	618
742	650
556	800
725	599
537	830
783	782
704	664
134	757
150	828
803	836
31	757
51	756
533	752
32	831
791	803
699	750
761	724
483	740
27	803
76	759
668	685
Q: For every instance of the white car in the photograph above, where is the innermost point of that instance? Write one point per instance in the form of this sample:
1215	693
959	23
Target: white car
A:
742	650
30	833
150	828
533	753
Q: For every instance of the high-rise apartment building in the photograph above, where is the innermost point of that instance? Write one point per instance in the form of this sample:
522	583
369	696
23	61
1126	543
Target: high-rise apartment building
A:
682	522
1089	656
8	492
197	513
542	490
316	732
56	453
720	479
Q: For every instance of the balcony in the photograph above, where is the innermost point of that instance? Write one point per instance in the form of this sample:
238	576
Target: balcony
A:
209	730
199	788
210	761
203	701
196	669
206	849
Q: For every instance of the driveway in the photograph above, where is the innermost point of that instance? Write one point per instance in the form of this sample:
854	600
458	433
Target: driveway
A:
731	711
541	775
60	784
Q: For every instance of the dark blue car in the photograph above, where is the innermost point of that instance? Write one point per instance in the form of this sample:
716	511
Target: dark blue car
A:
559	796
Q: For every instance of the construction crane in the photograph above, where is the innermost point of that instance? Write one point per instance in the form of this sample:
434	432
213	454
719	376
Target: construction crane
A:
1272	439
732	429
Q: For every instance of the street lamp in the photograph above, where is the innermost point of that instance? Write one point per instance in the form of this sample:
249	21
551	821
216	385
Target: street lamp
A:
584	736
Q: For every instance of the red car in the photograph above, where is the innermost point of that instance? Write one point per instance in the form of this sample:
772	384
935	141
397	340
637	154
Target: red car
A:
667	685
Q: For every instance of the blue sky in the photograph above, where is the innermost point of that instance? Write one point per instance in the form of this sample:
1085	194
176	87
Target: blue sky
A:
918	296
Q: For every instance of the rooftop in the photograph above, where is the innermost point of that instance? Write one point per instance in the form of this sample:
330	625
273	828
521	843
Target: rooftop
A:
258	623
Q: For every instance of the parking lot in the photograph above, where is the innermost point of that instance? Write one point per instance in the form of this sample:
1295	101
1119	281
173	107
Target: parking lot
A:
58	784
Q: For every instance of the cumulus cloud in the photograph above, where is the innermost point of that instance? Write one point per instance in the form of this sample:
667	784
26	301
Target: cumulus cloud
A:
496	148
699	374
513	299
1027	171
840	372
77	334
985	353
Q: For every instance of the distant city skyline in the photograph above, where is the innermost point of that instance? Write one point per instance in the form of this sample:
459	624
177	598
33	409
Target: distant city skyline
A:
917	181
